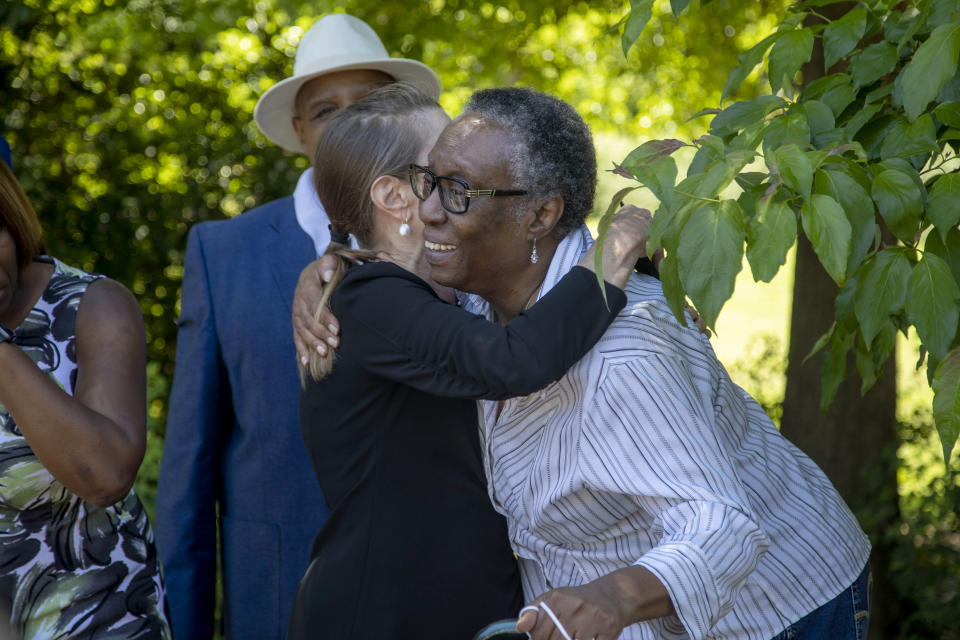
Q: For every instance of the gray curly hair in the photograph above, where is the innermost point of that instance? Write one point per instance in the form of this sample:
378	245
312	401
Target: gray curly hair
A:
554	152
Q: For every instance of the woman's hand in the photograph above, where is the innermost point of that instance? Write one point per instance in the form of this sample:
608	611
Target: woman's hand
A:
311	335
600	609
584	613
625	243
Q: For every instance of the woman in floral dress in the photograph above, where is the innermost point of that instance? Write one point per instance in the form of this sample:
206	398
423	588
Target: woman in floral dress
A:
77	557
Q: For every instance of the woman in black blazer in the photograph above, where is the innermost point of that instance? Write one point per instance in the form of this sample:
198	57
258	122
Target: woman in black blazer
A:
412	545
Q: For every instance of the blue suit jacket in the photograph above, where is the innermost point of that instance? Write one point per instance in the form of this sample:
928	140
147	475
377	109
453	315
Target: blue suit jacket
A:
233	436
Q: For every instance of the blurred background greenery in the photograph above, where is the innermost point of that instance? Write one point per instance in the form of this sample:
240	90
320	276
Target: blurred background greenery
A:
132	121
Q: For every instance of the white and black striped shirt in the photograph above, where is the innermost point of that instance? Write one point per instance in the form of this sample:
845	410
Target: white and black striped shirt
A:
647	453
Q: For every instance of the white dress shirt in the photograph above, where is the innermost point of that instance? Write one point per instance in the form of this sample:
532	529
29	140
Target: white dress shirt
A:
311	216
647	453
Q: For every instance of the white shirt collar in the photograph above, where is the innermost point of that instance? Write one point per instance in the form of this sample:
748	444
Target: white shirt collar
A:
310	213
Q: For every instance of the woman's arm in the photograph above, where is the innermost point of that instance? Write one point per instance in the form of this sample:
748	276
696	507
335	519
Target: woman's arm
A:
94	441
625	242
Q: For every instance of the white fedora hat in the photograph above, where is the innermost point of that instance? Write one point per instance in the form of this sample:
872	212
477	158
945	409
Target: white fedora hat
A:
336	42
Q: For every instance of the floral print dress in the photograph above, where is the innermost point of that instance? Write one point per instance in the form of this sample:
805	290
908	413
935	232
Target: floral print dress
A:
68	569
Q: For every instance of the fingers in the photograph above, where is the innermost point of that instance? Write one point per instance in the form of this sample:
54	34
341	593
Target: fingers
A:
325	267
528	618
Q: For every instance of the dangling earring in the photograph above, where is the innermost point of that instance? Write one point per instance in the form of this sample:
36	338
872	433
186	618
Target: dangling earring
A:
533	254
404	229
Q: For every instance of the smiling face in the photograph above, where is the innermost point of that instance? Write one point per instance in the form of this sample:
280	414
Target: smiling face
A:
321	97
480	251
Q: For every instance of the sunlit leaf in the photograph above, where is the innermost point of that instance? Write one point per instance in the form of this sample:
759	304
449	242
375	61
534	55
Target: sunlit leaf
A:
881	291
769	237
672	288
790	162
827	227
946	401
790	127
857	206
932	303
788	54
934	62
710	256
748	61
640	13
740	114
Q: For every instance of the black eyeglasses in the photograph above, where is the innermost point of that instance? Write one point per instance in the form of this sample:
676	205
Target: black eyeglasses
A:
455	193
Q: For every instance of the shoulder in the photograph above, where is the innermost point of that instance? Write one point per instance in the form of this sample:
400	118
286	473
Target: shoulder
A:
378	283
106	301
647	327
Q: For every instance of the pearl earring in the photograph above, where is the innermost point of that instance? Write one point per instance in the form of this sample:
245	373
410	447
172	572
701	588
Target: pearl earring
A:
533	254
404	229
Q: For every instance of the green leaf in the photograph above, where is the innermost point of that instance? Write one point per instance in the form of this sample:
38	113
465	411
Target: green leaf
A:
932	65
943	205
881	291
828	229
659	176
820	343
791	164
900	202
871	358
750	179
640	13
948	113
769	237
946	401
858	208
843	311
906	138
743	113
932	304
873	63
602	227
651	150
834	368
947	248
821	120
672	288
842	35
858	120
789	53
836	91
710	255
677	6
748	61
786	128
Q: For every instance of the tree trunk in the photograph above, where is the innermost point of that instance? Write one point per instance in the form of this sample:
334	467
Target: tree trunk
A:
855	443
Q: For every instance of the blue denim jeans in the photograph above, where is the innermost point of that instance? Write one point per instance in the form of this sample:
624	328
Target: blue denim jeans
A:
846	617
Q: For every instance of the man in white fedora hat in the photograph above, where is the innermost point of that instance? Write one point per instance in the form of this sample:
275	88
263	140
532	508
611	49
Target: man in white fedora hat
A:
233	456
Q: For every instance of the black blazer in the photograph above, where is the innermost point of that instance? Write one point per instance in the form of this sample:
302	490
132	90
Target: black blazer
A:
413	547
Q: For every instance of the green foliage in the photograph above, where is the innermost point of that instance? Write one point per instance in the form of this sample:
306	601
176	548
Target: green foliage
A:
864	158
131	120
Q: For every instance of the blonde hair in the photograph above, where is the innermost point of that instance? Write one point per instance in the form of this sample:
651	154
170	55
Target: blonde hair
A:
379	135
18	216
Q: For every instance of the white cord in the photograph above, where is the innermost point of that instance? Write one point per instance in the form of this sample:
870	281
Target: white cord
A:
547	610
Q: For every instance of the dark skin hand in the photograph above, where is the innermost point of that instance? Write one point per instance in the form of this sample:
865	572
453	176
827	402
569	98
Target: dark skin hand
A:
600	609
92	442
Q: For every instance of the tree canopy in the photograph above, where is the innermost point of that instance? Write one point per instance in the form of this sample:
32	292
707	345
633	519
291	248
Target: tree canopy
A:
862	161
